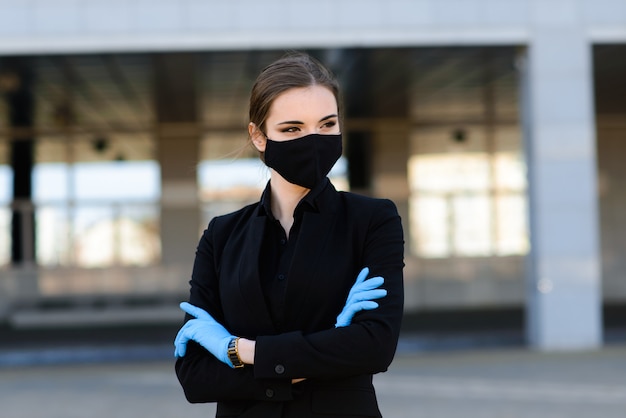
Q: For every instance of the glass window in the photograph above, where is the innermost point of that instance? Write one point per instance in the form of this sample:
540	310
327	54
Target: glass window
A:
53	240
114	235
468	196
94	236
429	226
5	235
98	211
138	236
6	186
96	184
230	174
6	191
51	182
116	181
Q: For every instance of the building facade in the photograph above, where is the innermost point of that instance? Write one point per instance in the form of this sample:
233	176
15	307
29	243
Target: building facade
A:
496	127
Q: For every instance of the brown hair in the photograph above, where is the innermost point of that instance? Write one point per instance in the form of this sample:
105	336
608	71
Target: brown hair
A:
294	70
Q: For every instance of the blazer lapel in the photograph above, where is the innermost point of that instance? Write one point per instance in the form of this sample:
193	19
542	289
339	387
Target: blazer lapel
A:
249	279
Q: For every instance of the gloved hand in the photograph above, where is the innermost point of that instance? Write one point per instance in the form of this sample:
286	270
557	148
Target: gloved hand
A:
361	297
204	330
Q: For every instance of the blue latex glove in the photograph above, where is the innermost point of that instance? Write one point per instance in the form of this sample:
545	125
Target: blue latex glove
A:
361	297
204	330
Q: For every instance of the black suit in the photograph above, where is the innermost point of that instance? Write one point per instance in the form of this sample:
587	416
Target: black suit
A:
345	233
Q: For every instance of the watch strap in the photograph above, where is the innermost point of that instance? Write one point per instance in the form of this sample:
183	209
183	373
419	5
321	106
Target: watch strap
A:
233	353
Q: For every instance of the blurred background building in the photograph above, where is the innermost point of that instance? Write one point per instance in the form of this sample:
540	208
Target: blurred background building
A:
497	126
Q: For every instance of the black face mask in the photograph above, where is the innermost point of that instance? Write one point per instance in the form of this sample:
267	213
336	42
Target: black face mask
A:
304	161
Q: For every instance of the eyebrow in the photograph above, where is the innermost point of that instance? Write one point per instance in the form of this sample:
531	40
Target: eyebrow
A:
297	122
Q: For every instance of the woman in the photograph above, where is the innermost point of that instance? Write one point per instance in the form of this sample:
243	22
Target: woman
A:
281	319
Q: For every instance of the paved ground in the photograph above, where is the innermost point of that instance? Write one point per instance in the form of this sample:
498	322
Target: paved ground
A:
506	382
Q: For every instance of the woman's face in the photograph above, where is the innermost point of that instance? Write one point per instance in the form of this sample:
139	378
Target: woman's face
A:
296	113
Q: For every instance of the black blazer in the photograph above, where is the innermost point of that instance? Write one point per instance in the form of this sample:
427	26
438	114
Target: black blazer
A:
345	234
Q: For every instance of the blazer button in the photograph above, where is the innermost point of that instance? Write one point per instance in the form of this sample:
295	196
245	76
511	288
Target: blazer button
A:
279	369
269	393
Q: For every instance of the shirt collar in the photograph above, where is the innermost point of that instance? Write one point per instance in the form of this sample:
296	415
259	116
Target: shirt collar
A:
308	203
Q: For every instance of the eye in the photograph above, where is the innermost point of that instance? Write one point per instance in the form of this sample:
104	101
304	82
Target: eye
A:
329	124
291	129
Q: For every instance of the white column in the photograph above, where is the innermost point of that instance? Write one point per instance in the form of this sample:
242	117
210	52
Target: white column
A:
178	145
564	283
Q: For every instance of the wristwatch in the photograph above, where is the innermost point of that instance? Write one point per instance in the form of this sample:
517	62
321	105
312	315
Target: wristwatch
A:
233	353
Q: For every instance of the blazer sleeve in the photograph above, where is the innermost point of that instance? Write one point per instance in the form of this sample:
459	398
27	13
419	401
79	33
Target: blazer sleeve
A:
203	377
368	344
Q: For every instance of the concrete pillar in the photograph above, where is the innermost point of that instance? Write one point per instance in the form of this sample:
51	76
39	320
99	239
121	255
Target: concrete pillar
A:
356	83
178	143
17	83
377	104
391	81
564	292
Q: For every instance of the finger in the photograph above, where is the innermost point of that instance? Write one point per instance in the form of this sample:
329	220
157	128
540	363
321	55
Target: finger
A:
343	320
183	333
359	279
362	275
180	343
369	295
367	305
195	311
180	350
357	307
368	285
190	331
372	283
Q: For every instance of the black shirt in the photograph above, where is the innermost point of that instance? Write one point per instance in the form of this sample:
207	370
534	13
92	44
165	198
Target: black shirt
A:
277	251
